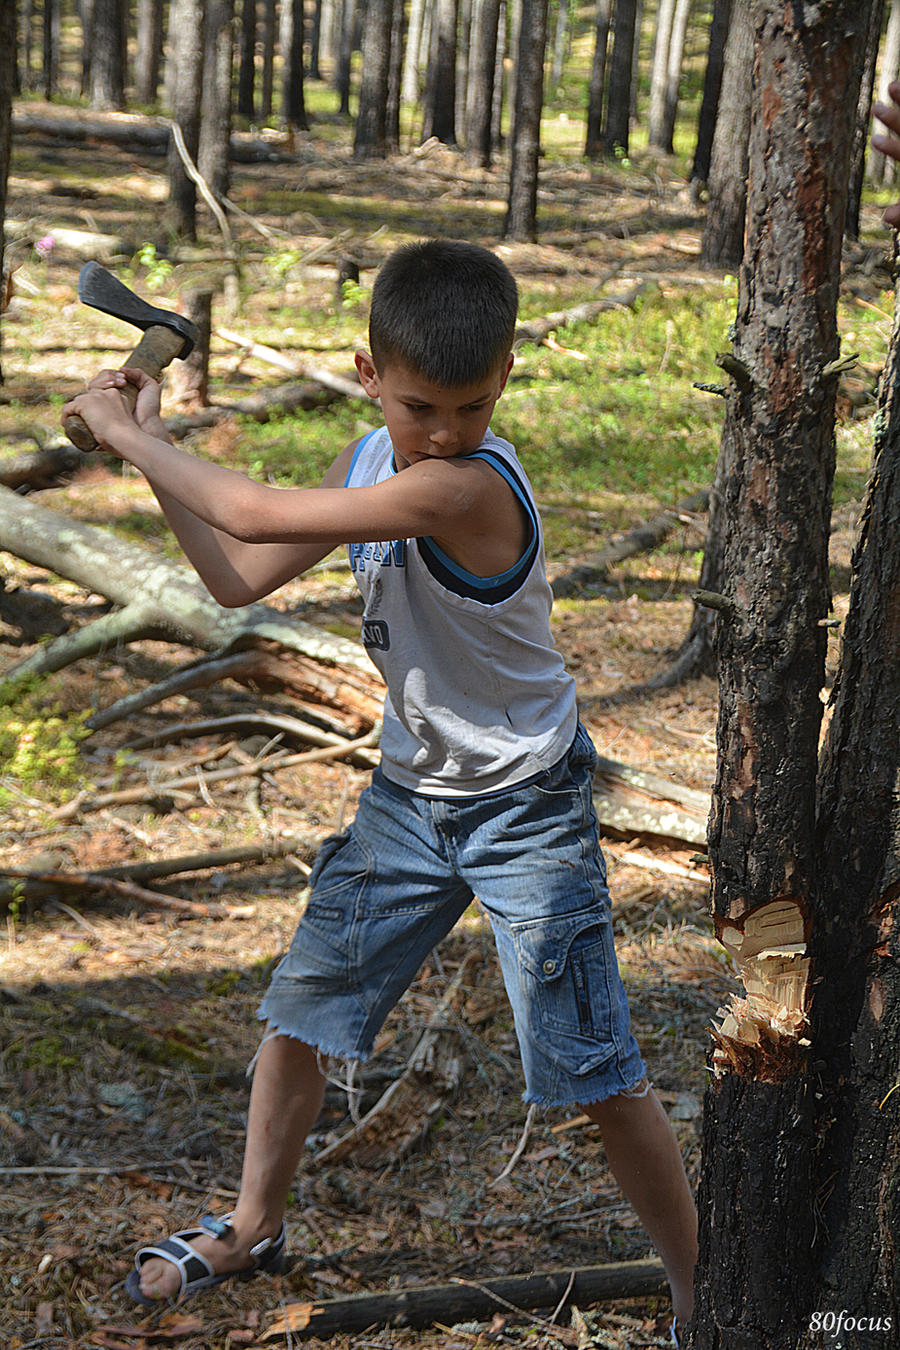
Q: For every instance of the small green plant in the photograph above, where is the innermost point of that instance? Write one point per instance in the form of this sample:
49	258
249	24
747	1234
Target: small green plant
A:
281	263
39	744
158	269
352	294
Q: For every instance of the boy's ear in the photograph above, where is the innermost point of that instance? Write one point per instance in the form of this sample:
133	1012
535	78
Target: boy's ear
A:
368	375
509	366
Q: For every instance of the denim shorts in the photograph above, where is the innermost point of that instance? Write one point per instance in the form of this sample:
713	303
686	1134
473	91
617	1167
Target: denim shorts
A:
384	893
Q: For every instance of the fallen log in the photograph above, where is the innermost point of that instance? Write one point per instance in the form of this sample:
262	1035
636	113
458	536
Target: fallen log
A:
641	539
461	1301
42	467
301	369
537	330
126	129
630	801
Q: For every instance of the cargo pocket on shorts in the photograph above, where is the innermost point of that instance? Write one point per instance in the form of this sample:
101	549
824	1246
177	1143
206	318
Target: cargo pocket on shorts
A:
339	875
564	964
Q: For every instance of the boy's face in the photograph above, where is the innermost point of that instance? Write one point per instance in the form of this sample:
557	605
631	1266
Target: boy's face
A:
428	421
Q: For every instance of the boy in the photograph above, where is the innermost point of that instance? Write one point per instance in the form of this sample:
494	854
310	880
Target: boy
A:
485	782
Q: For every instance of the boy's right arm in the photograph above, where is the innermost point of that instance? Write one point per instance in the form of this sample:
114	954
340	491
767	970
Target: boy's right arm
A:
234	572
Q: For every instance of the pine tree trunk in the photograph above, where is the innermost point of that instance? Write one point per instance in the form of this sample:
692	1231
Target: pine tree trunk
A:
593	144
370	141
521	215
410	85
723	235
51	48
7	68
395	75
618	110
440	86
342	70
561	39
148	57
215	104
712	85
856	929
659	74
673	74
480	92
757	1283
270	30
246	91
186	44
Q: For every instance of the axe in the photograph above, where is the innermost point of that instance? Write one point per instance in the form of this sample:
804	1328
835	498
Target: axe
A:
166	336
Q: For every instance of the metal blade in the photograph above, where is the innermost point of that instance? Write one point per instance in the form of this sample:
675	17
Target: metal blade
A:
101	290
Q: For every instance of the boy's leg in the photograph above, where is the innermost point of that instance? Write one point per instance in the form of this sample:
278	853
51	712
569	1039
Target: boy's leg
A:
645	1159
285	1101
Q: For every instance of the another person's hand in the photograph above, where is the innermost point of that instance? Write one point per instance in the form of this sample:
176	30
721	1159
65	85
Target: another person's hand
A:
889	114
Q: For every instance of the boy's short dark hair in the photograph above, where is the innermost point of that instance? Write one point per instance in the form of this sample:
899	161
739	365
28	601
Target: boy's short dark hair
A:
445	309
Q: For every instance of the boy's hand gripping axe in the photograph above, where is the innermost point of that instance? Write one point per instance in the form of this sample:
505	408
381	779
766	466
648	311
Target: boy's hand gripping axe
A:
166	336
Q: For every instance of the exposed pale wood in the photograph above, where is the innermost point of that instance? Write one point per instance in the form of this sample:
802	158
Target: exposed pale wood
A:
301	369
630	801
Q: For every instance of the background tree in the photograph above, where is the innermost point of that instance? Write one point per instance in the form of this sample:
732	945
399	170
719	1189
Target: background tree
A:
618	108
764	1172
480	86
521	215
673	73
659	73
440	84
293	100
149	50
50	27
719	24
186	55
216	95
107	54
246	89
7	69
869	57
593	145
371	139
723	235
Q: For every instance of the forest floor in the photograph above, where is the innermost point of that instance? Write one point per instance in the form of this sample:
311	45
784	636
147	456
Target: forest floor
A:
127	1031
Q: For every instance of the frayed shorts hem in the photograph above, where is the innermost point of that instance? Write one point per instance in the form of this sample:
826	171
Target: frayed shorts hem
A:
591	1096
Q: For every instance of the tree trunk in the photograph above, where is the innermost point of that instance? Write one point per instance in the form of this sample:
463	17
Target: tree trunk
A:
342	70
315	42
395	75
882	169
293	103
856	936
521	215
370	141
756	1282
411	85
7	67
659	74
561	42
499	81
673	74
186	41
712	85
107	55
863	116
270	30
215	103
593	145
148	60
723	235
480	90
51	48
440	86
618	111
246	91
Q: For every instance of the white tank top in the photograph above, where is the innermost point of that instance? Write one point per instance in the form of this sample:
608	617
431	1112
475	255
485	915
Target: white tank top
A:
478	696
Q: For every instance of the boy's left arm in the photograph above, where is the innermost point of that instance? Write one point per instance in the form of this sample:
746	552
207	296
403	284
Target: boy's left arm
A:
889	144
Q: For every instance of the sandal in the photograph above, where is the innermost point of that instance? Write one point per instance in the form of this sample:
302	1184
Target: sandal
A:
195	1270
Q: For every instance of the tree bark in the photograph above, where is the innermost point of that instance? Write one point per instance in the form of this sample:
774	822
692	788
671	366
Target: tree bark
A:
659	74
712	86
7	66
440	85
673	74
863	116
270	29
756	1283
51	18
246	90
593	145
186	43
618	110
370	140
215	102
723	235
410	84
856	934
521	214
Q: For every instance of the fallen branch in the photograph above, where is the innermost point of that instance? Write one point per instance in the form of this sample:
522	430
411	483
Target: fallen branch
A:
42	467
538	330
128	890
630	801
639	540
300	369
406	1110
424	1305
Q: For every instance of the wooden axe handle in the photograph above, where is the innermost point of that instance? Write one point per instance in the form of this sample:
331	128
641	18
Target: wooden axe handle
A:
153	353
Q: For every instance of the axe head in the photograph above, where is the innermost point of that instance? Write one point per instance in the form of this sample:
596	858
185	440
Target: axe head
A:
101	290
